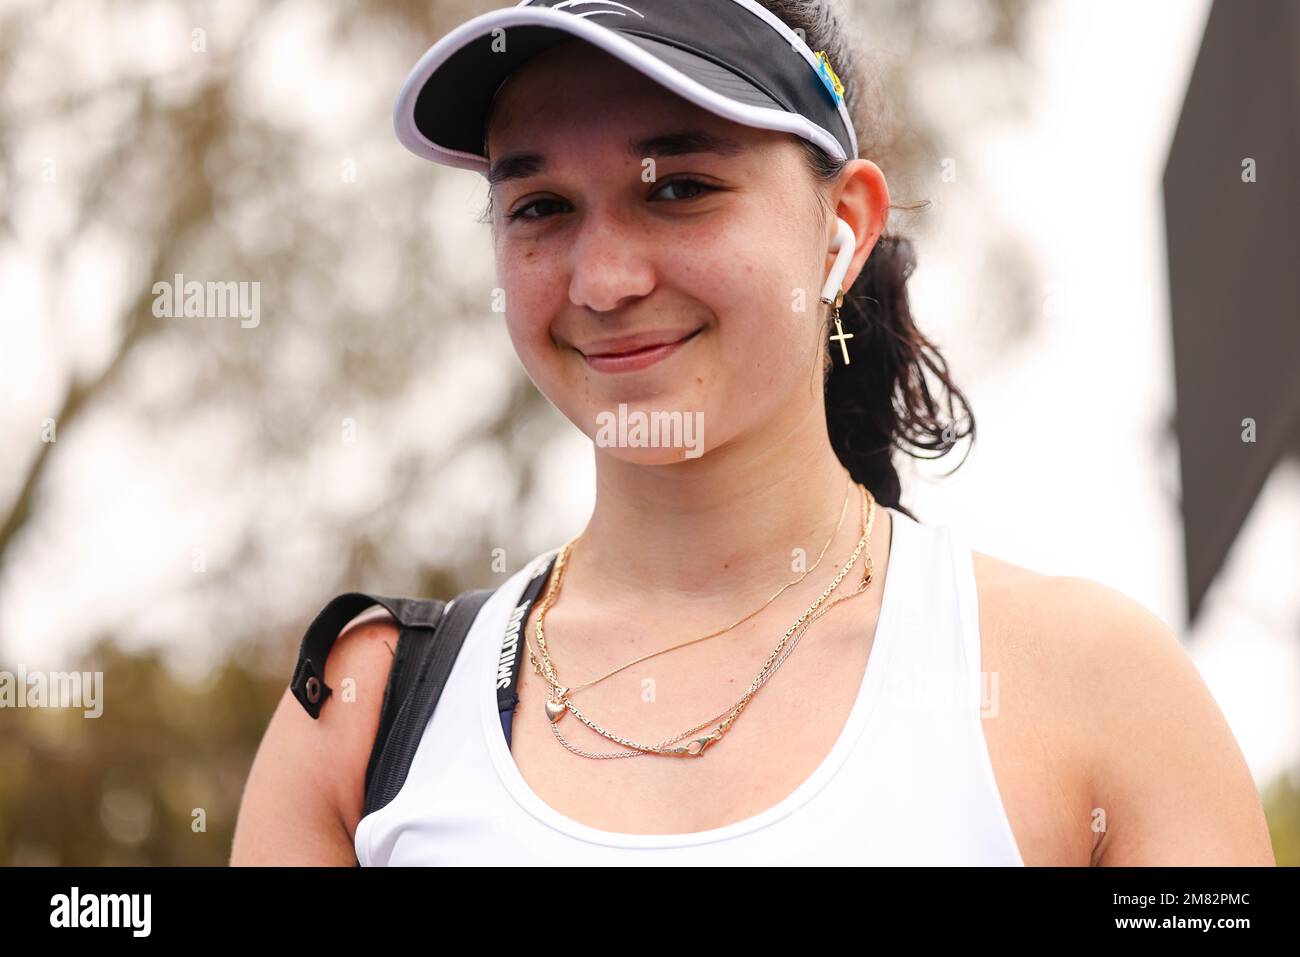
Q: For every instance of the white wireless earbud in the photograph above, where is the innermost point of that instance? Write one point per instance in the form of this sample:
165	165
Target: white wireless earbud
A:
845	243
843	246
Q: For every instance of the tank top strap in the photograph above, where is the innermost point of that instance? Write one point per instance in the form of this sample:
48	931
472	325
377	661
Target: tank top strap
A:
981	688
931	636
963	571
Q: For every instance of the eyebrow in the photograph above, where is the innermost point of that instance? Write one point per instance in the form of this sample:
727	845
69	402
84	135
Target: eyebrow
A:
678	143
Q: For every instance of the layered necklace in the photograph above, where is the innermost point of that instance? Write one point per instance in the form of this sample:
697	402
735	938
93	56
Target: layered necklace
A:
559	699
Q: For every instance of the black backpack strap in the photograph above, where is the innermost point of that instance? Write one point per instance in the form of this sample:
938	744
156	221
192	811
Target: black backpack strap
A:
420	670
308	684
430	636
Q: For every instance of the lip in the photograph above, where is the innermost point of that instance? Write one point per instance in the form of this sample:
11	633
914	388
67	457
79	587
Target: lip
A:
631	353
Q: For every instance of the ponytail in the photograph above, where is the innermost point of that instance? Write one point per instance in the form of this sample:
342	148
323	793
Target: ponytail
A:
881	400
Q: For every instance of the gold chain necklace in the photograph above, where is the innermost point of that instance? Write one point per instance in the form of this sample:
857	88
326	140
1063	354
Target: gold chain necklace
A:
698	745
862	585
555	709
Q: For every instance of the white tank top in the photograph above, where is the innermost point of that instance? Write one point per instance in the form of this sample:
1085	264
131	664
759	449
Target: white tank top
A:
908	781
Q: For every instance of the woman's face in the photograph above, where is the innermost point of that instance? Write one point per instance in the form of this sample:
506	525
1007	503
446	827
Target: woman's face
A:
609	242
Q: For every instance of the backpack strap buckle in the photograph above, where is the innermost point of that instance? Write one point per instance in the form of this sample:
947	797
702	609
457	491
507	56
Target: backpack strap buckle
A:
308	683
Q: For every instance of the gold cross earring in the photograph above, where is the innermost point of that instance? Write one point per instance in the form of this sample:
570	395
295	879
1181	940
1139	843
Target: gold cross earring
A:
841	334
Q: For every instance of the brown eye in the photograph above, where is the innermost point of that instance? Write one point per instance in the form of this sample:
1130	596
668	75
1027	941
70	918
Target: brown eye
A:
519	213
690	185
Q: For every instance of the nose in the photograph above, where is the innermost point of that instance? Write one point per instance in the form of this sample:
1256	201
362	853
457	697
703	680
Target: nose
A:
612	267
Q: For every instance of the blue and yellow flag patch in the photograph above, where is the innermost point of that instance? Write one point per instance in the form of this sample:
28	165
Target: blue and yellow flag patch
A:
828	76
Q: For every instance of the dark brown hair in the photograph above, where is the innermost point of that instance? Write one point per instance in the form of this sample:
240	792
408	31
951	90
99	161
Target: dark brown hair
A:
881	400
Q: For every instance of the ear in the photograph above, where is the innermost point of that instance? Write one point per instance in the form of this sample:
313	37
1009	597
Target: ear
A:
863	203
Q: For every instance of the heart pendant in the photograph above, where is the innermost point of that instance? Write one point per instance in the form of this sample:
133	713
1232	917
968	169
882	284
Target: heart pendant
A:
555	710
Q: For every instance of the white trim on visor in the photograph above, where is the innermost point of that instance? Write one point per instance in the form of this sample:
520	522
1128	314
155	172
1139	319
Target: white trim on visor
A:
631	54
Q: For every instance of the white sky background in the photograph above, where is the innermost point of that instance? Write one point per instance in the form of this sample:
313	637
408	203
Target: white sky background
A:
1065	478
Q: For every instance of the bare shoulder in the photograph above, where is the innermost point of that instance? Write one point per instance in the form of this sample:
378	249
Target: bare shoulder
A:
305	791
359	663
1121	705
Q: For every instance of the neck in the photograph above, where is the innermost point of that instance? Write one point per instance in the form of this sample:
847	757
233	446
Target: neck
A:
725	523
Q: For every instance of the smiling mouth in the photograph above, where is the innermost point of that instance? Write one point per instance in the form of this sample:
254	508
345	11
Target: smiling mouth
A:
632	360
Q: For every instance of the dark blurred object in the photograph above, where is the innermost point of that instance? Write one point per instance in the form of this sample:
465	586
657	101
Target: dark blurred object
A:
1232	201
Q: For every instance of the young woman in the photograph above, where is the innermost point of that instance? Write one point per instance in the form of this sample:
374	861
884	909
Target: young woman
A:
752	653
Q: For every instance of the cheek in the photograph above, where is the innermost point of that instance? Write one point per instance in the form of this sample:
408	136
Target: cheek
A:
766	317
530	299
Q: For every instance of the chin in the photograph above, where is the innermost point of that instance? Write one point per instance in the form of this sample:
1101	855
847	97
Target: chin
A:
652	456
647	433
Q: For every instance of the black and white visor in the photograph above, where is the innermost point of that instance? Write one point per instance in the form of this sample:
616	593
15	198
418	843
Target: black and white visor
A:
733	58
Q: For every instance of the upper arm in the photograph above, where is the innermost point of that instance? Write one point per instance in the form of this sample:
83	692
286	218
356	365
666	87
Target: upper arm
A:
1168	779
305	791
